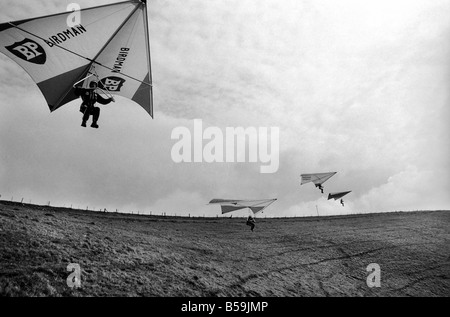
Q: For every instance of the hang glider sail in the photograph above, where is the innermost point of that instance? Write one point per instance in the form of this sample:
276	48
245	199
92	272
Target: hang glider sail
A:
229	205
110	45
337	195
317	178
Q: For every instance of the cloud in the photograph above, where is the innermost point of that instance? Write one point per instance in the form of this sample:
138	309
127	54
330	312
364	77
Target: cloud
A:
411	189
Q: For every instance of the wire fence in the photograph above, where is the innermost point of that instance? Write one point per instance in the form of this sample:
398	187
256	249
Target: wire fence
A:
187	214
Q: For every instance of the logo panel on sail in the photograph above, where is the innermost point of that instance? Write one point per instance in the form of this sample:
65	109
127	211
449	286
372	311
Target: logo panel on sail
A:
112	83
29	51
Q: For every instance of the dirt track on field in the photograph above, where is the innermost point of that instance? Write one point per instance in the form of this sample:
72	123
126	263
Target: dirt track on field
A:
131	255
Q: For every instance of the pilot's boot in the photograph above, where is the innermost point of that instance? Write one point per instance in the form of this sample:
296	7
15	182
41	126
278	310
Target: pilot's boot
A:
85	118
95	116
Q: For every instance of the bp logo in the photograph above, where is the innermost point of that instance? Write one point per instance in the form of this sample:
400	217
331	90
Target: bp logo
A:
29	51
112	83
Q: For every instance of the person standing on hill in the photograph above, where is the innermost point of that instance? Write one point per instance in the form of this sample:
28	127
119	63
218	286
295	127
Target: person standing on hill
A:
251	222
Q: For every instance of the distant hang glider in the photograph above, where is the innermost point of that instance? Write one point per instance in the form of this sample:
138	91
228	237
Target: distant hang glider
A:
110	45
317	178
337	195
229	205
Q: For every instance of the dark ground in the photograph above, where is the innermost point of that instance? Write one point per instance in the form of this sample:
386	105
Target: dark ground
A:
155	256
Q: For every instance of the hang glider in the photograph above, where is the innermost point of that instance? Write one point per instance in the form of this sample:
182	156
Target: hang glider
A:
110	46
317	178
337	195
229	205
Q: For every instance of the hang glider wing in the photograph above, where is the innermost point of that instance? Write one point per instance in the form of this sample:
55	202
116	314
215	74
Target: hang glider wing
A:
316	178
111	44
337	195
229	205
229	208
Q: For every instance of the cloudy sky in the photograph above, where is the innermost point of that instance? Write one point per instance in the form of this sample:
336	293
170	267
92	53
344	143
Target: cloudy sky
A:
357	87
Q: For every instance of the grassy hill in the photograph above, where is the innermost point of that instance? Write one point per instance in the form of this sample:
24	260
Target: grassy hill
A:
132	255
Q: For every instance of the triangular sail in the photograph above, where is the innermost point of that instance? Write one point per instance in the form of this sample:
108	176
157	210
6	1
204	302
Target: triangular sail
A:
316	178
257	209
111	42
337	195
227	208
229	205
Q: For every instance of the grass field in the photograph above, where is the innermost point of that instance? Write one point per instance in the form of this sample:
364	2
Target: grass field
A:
131	255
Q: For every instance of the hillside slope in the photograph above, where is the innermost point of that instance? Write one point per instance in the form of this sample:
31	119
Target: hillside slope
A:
131	255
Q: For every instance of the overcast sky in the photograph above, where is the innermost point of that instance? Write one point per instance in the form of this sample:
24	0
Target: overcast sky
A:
360	87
